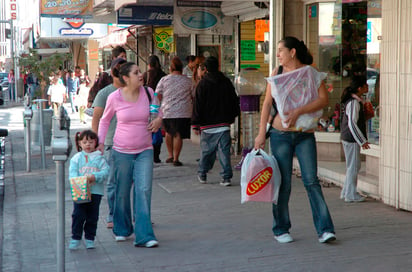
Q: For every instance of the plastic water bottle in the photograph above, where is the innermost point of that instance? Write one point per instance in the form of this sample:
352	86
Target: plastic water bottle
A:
154	108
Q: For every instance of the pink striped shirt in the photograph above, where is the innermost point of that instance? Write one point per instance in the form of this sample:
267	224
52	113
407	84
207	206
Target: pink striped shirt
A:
131	135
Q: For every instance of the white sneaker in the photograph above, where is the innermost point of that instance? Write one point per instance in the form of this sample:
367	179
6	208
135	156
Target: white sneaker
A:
357	199
327	237
284	238
226	182
120	238
151	243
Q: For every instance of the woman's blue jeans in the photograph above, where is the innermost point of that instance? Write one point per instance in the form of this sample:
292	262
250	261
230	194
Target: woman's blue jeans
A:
284	145
137	168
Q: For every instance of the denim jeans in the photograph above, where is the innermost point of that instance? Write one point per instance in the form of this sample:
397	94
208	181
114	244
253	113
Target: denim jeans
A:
210	143
111	186
284	145
72	97
353	165
137	168
85	217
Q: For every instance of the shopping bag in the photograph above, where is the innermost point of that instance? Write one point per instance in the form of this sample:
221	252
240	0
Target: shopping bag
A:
80	190
295	89
260	177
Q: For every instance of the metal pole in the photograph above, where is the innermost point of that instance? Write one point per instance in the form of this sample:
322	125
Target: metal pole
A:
60	215
28	146
41	135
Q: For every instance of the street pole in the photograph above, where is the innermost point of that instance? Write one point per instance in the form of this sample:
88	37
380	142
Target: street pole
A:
61	148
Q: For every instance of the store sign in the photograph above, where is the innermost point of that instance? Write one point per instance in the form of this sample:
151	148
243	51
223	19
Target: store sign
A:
66	8
163	38
74	22
247	50
202	17
13	9
59	27
145	15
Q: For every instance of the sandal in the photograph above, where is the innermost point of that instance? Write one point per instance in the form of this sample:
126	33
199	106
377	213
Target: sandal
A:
169	160
177	163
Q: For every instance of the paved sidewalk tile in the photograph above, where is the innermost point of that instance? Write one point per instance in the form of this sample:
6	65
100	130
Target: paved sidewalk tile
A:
200	227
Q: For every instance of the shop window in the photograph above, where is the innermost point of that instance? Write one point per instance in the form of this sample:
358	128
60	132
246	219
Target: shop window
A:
344	38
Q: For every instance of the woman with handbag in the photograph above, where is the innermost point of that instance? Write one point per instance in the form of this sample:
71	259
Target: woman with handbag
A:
286	140
353	135
132	156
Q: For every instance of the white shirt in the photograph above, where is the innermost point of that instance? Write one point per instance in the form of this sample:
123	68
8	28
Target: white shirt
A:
57	93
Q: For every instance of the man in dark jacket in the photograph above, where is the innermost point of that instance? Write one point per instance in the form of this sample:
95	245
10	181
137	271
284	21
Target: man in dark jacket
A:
215	107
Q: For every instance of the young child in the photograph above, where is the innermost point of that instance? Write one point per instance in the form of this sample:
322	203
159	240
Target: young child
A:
87	162
353	135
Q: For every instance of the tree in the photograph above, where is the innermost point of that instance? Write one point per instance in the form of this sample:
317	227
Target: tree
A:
42	67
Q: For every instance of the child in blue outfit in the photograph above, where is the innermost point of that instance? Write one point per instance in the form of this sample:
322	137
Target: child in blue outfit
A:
87	162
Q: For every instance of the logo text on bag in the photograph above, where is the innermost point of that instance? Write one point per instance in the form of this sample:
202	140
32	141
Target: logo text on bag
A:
259	181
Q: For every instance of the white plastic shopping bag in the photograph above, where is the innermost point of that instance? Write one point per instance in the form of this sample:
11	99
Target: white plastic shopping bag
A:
260	177
295	89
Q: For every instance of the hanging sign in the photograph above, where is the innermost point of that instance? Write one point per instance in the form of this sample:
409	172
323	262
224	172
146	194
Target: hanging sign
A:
247	50
66	8
201	17
163	38
145	15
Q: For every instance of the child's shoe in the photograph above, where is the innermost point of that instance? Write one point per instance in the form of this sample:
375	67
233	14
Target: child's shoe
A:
89	244
74	244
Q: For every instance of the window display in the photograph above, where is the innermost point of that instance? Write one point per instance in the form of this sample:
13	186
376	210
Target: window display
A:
344	38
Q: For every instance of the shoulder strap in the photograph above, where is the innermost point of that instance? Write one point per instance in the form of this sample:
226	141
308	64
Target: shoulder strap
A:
148	94
280	69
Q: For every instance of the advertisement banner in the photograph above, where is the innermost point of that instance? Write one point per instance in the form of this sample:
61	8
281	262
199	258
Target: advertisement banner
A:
163	38
66	8
200	18
145	15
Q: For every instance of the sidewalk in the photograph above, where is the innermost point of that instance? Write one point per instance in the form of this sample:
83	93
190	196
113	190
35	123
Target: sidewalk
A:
199	227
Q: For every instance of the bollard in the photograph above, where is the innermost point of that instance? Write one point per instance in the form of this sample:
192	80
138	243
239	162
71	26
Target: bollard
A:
28	114
41	135
61	147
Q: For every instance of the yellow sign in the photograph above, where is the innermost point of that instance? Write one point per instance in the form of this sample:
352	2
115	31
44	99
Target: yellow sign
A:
163	37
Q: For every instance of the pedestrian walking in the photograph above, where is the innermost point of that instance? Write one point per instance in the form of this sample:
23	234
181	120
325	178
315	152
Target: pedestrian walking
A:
216	105
72	88
151	78
56	94
353	135
175	94
285	141
90	163
104	77
132	155
99	105
81	99
11	80
190	66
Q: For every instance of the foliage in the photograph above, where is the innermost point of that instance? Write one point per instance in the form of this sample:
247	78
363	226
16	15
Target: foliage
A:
42	67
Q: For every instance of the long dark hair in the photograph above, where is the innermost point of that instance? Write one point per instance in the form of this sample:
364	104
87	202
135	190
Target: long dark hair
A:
356	83
302	52
88	134
124	70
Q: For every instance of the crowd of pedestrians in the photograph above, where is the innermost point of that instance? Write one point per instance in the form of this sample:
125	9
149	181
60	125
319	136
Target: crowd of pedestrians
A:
200	97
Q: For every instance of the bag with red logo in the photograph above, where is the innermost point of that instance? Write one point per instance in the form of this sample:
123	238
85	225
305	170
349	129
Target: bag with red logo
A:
260	178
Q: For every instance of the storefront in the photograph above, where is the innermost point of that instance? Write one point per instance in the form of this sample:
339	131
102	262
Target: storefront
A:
344	37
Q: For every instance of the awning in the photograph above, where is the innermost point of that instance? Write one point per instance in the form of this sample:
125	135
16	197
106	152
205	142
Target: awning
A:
117	37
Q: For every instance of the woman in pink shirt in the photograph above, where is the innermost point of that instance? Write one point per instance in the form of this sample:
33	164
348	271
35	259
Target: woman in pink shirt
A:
132	154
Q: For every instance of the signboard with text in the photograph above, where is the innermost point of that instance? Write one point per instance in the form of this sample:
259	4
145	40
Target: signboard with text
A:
145	15
66	8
